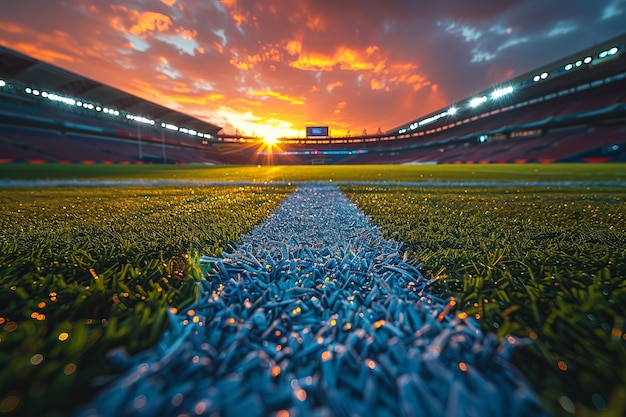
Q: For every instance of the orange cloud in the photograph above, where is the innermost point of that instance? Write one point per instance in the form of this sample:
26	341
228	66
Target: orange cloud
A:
340	106
53	47
187	34
249	102
240	65
215	96
275	94
345	58
39	52
151	22
143	22
183	95
11	27
181	88
376	70
267	53
294	47
330	87
315	23
377	85
169	2
218	47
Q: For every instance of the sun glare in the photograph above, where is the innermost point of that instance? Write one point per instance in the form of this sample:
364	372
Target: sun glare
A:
271	140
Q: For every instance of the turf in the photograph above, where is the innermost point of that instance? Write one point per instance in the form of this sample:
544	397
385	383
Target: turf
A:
83	270
317	314
71	258
544	263
411	173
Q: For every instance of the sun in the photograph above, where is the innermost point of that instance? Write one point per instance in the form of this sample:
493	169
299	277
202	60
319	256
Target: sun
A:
271	140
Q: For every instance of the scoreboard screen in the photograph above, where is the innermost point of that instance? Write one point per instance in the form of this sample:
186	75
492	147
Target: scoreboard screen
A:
316	131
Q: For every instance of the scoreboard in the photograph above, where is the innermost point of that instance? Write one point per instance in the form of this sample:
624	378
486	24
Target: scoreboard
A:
316	131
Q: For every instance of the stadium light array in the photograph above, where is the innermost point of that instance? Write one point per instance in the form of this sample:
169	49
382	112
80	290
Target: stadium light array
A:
2	83
91	106
499	92
69	101
477	101
450	112
140	119
188	131
169	126
55	97
110	111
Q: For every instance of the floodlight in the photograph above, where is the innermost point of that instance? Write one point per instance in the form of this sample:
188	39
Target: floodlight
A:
613	50
496	94
579	63
603	54
451	111
536	78
28	90
36	92
2	83
588	60
569	67
544	75
44	94
477	101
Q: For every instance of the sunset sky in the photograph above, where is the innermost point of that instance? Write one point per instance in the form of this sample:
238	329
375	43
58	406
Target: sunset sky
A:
272	67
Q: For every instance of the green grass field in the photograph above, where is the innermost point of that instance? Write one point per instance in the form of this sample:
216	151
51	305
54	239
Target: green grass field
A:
411	173
84	270
87	269
544	264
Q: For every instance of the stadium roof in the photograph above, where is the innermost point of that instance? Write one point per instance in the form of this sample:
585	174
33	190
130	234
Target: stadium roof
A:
602	60
15	66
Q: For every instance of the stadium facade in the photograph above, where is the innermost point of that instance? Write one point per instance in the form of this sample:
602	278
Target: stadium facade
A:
573	109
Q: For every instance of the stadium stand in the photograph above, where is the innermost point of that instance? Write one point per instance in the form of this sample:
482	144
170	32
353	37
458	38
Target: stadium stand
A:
571	110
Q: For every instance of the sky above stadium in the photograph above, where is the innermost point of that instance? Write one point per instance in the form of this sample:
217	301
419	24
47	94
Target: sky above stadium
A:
270	68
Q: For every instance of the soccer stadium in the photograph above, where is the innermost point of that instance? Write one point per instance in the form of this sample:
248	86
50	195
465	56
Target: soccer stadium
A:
569	111
468	262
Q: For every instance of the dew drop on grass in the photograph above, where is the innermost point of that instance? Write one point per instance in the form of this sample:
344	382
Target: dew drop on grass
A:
567	404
